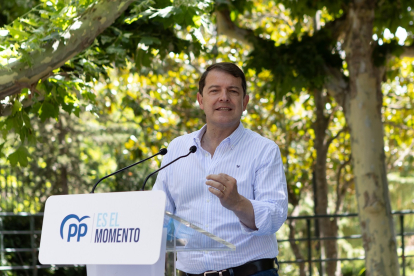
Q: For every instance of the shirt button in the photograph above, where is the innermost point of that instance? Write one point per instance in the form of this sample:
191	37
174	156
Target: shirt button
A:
206	154
208	200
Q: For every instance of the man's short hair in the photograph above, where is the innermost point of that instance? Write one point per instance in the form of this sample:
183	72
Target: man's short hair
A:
226	67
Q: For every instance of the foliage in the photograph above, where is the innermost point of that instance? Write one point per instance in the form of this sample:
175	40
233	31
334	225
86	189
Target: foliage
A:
398	118
299	63
154	29
46	23
134	90
388	15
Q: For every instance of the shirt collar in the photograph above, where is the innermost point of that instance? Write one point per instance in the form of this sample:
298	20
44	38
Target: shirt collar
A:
233	139
199	134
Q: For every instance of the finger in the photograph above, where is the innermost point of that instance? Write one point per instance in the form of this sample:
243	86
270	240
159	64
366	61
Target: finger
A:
219	186
226	177
216	192
219	177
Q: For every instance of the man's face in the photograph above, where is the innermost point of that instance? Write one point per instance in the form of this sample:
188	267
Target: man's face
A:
222	100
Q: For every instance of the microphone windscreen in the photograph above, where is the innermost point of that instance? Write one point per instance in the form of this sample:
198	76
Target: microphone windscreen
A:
193	149
163	151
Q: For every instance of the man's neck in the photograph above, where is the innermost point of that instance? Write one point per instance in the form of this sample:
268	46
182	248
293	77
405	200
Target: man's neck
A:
214	136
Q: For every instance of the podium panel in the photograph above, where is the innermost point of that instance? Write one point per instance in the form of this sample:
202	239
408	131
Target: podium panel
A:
107	228
156	269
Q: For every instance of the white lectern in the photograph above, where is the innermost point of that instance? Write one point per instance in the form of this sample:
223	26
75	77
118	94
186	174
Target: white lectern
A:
118	233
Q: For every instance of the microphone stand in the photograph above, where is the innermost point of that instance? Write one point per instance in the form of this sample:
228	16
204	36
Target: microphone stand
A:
162	152
192	150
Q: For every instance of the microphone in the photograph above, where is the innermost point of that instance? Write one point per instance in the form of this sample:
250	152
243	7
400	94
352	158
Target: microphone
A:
162	152
192	150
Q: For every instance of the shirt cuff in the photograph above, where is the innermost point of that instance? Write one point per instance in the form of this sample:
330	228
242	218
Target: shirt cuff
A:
262	219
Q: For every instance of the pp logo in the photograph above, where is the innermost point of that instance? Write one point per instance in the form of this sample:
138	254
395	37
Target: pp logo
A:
75	229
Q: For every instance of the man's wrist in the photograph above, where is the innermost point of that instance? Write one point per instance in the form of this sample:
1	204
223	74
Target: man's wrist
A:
240	205
245	212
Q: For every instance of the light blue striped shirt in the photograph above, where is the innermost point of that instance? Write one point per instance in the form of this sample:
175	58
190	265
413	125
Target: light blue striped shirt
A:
256	164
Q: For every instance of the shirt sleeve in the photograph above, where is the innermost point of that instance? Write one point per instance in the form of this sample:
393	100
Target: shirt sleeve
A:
162	184
270	203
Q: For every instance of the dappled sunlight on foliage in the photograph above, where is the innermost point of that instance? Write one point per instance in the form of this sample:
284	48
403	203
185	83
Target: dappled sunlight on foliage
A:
134	90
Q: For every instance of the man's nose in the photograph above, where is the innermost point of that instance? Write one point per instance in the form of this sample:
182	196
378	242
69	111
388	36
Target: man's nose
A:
224	96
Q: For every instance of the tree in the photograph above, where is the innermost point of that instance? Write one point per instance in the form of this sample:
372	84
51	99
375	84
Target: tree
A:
312	61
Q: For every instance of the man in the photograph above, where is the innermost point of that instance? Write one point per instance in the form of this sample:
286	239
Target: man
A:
234	186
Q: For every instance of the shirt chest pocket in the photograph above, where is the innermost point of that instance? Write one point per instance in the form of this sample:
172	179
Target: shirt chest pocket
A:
243	173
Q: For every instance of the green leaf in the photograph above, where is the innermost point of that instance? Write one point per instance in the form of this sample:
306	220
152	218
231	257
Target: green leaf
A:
179	17
53	92
68	107
233	15
76	111
17	34
36	107
148	40
24	131
88	95
52	36
1	150
106	39
189	20
15	122
24	91
115	50
48	110
142	59
30	21
17	106
19	156
26	120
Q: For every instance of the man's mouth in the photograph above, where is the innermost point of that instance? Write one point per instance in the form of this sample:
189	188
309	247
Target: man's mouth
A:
224	108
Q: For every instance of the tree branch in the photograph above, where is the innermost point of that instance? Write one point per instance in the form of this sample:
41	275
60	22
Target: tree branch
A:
226	26
338	27
82	34
340	191
337	86
330	140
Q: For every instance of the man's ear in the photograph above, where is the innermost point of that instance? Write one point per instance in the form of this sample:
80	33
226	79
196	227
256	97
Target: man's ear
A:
245	101
200	100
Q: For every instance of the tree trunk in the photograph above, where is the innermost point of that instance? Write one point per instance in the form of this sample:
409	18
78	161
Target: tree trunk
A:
363	115
327	227
83	32
293	245
63	169
64	180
